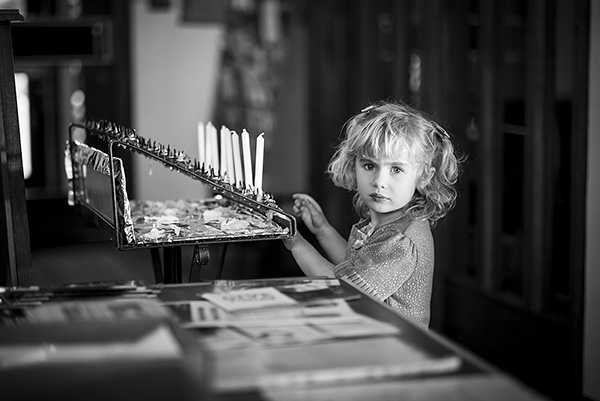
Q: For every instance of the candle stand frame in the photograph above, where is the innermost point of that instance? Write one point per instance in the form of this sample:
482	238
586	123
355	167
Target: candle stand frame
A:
97	190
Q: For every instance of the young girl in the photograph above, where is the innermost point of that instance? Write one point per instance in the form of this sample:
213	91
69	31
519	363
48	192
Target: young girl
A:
402	167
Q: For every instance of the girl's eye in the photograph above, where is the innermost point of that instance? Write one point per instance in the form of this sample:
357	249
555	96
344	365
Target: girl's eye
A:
368	166
396	170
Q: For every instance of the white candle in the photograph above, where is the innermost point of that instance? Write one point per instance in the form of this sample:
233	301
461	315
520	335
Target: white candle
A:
208	148
229	154
247	159
214	148
237	158
258	169
223	149
201	144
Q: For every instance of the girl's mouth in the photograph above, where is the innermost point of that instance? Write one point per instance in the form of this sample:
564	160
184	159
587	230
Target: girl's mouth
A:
377	197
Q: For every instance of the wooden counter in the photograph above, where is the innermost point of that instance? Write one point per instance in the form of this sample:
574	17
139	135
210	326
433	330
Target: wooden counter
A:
108	349
473	380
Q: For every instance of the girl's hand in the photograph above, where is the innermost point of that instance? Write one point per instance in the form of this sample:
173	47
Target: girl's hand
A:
306	208
334	245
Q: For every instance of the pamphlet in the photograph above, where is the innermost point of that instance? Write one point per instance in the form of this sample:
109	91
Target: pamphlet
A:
306	290
254	298
203	314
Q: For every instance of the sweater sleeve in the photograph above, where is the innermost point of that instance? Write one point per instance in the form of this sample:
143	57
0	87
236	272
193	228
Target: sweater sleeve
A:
381	265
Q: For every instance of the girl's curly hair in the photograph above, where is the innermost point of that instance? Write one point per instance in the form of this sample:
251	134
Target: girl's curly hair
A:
382	130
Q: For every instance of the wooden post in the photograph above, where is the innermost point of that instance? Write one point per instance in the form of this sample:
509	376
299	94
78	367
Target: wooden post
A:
15	250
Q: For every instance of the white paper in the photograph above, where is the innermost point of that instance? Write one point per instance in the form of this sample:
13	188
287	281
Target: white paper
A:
255	298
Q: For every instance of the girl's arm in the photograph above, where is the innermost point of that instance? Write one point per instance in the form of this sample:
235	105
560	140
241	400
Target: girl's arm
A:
329	238
308	258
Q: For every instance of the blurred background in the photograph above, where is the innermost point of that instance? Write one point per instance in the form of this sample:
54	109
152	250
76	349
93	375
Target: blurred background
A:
514	81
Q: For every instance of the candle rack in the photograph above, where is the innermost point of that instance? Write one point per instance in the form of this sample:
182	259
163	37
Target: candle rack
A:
97	188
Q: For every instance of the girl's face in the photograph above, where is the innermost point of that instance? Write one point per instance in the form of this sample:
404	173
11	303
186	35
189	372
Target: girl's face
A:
386	185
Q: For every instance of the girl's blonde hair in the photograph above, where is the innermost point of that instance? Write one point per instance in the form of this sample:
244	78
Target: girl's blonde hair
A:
382	130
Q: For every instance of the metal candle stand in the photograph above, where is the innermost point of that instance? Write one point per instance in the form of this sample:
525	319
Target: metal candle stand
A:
107	205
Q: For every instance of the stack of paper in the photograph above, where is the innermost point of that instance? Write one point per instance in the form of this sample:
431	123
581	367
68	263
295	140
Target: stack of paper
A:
289	335
301	313
89	330
339	362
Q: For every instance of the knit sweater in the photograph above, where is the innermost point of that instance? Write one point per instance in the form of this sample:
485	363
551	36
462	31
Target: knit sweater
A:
393	263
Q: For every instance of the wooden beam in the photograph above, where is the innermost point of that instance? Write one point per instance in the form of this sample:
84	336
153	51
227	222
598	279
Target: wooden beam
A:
15	251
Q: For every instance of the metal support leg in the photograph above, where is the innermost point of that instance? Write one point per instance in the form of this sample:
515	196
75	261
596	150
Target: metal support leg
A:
201	257
157	266
172	264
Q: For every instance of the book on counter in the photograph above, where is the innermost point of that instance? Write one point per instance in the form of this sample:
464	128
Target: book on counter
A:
204	314
90	330
314	332
327	363
65	347
303	291
35	295
102	310
265	340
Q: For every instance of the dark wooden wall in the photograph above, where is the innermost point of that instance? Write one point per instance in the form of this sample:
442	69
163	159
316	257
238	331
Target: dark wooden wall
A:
509	270
15	256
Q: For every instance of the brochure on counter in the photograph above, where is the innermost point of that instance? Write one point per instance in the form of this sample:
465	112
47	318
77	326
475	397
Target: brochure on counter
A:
199	314
304	291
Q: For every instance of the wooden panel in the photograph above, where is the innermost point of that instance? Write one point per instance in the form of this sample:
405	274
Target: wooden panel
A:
489	226
15	263
526	345
331	86
358	53
579	160
540	73
469	77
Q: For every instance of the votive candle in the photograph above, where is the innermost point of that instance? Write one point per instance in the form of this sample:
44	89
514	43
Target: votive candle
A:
214	148
229	155
247	159
237	158
258	169
223	151
201	144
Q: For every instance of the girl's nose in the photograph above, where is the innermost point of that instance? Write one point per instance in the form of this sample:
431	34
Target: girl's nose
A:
379	180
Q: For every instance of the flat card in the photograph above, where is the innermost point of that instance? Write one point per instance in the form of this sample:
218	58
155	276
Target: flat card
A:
285	335
203	314
255	298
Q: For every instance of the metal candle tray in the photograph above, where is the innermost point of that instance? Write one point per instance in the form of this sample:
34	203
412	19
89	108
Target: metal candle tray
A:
97	188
